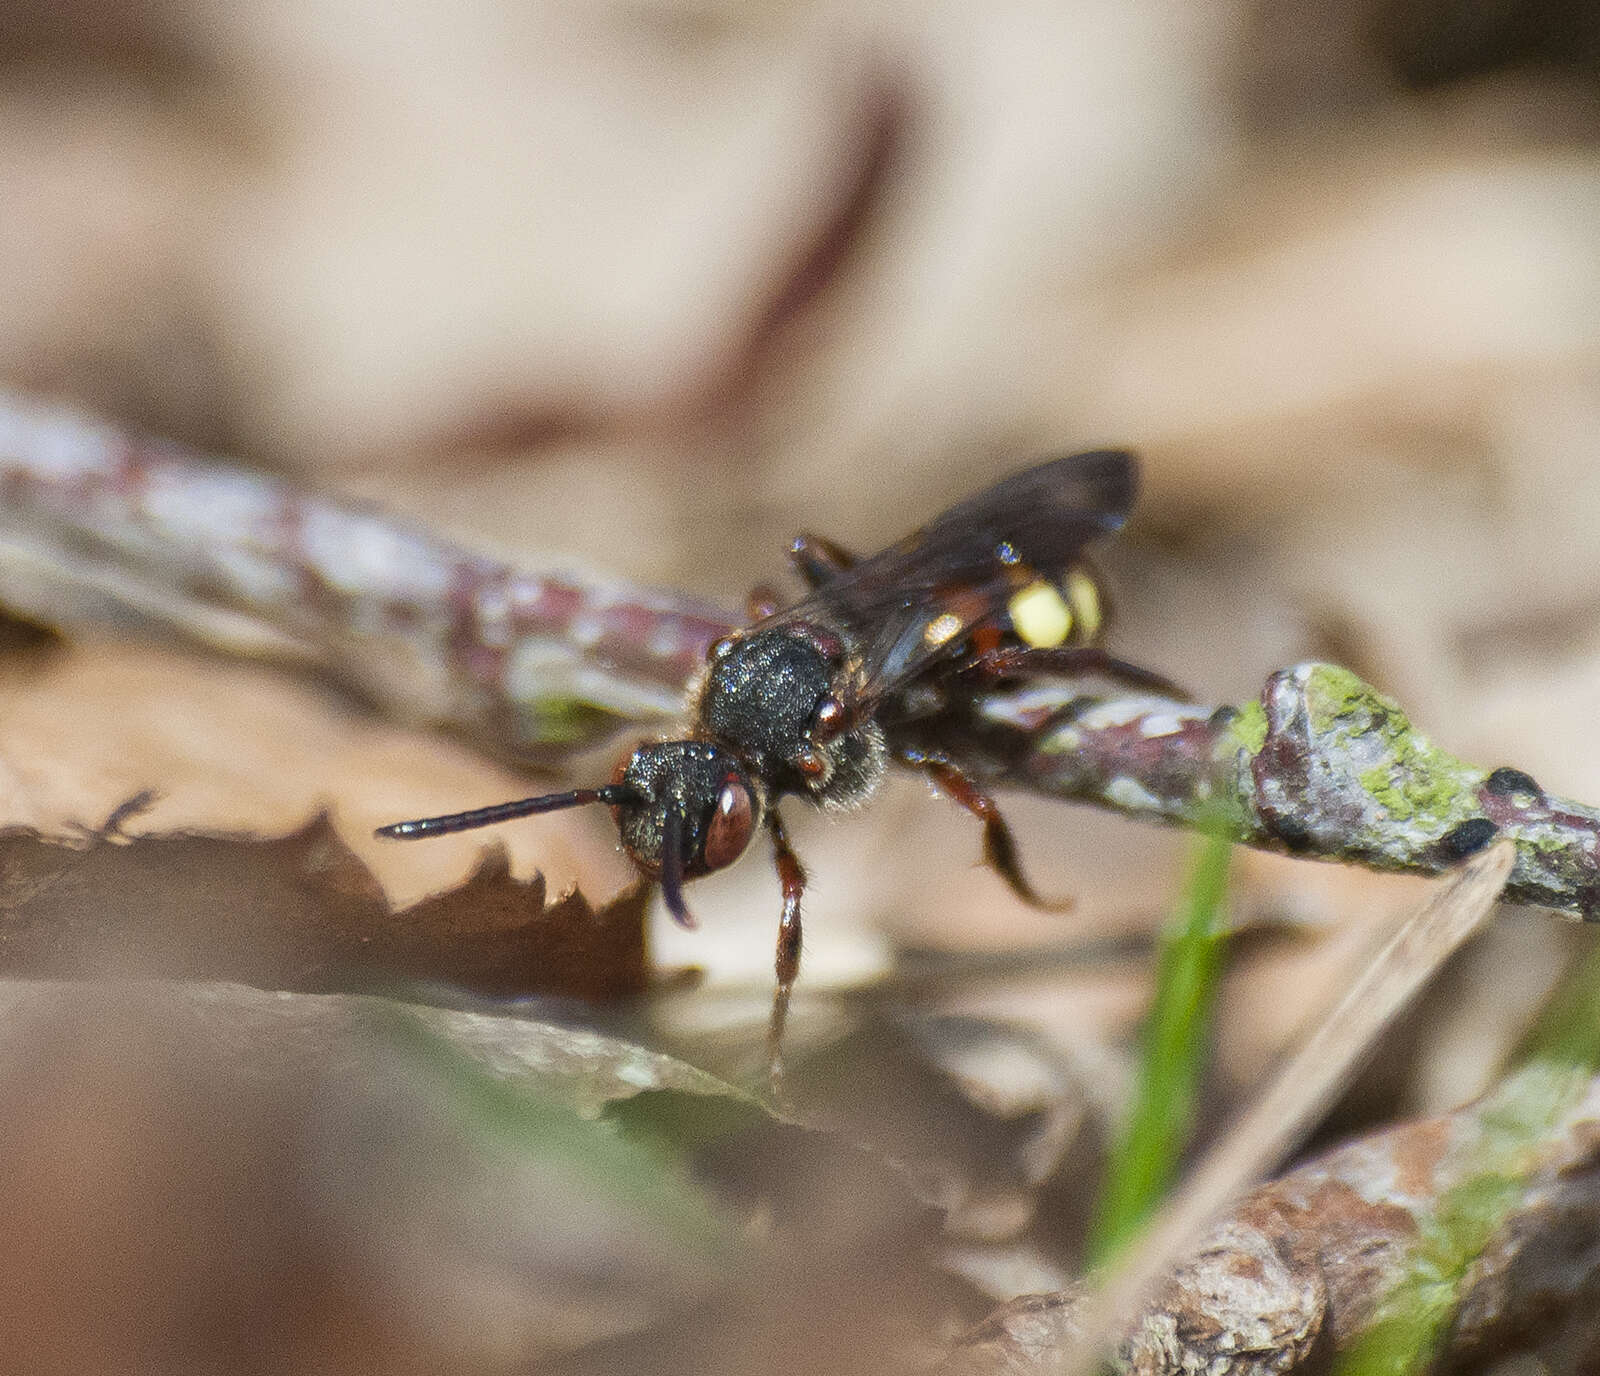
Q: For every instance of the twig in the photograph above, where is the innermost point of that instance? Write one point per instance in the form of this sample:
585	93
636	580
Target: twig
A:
1322	765
1302	1268
538	663
98	525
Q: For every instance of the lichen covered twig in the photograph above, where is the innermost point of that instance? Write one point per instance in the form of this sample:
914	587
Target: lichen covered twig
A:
1295	1097
1322	765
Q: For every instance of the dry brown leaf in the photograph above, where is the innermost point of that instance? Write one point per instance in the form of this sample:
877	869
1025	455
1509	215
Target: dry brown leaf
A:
300	912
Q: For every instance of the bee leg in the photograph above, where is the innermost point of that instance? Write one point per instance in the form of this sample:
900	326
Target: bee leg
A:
817	560
1070	661
792	876
999	845
762	602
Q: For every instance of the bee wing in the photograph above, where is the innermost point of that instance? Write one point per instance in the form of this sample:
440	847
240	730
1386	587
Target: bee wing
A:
913	604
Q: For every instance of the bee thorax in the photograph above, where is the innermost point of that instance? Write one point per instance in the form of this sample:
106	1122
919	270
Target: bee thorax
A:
766	696
762	694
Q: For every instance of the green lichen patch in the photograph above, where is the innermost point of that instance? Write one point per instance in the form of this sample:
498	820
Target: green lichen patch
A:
558	720
1406	794
1247	730
1337	700
1064	740
1547	841
1419	784
1409	779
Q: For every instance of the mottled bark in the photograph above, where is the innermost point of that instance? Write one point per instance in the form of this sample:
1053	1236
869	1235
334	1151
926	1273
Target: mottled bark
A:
97	525
1321	765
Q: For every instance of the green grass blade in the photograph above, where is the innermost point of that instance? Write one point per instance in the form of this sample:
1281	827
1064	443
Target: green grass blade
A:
1144	1161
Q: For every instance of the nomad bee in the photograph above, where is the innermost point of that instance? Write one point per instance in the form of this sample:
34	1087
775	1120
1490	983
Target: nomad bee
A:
816	700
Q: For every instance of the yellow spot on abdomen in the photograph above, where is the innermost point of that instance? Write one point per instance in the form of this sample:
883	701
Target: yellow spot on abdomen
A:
1040	616
942	630
1083	596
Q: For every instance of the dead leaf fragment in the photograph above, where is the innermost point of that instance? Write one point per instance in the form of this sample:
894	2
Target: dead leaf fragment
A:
300	912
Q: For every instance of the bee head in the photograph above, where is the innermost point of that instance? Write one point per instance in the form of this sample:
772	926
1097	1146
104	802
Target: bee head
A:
684	809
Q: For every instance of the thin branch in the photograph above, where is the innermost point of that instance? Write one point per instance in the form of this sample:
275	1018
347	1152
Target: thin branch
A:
1322	765
97	525
538	663
1305	1266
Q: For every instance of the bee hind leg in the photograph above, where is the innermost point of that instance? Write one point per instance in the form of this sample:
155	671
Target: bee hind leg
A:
999	845
792	876
1072	661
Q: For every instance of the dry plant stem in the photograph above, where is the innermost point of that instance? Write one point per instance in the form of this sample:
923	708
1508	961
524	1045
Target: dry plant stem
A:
1298	1094
98	525
539	663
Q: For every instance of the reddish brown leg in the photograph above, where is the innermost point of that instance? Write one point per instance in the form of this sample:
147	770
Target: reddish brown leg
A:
792	875
817	560
762	602
1069	661
999	845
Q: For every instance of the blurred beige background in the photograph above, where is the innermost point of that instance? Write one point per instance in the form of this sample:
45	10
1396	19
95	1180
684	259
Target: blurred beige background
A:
656	284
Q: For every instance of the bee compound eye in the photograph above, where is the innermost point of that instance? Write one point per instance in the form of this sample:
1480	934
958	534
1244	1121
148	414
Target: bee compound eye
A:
731	824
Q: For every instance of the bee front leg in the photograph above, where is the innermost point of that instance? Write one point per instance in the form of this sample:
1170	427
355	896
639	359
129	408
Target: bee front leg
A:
999	845
792	876
817	560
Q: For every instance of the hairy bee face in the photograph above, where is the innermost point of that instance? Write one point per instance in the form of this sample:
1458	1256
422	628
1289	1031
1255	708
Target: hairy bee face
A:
693	795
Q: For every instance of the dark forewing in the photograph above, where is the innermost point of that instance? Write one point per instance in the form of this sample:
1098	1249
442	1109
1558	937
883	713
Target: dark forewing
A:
965	562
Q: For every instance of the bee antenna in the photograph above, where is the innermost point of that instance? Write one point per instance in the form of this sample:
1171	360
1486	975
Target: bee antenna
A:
672	868
611	794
